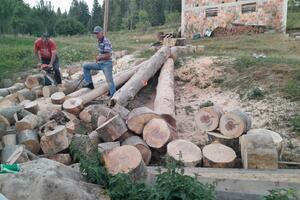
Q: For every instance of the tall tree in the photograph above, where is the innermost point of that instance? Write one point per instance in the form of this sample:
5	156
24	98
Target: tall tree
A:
156	9
97	15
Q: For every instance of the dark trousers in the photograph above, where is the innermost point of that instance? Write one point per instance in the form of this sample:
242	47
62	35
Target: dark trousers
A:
56	70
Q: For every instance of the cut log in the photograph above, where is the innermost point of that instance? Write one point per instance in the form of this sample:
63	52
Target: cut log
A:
174	53
140	78
4	92
70	86
139	143
258	151
10	139
5	83
27	121
278	141
139	117
47	105
125	159
8	113
3	128
107	146
29	138
112	129
208	118
16	87
234	124
122	111
49	90
55	141
47	127
230	142
58	98
38	90
26	94
94	137
218	156
13	98
34	80
83	144
75	105
164	102
61	158
185	151
14	154
157	133
32	107
6	103
78	93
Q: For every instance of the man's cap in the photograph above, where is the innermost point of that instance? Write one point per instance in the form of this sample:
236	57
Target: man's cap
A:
98	29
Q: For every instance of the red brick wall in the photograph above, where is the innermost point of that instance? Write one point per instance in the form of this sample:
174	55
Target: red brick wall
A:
269	13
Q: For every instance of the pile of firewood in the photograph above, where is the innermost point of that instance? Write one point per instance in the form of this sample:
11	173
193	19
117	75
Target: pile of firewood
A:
232	139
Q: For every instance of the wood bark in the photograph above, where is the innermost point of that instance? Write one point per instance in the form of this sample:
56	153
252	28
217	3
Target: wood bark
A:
32	107
174	53
140	78
4	92
14	154
13	98
8	113
139	143
26	94
38	90
47	127
227	141
55	141
49	90
139	117
234	124
61	158
208	118
29	138
125	159
112	129
258	151
185	151
217	155
58	98
6	103
9	139
16	87
35	80
107	146
164	102
75	105
158	133
122	111
26	120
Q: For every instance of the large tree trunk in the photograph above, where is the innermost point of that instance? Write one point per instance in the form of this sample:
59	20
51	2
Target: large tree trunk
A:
8	114
234	124
35	80
141	146
125	159
164	103
158	133
29	138
140	78
185	151
258	151
55	141
139	117
75	105
112	129
218	156
208	118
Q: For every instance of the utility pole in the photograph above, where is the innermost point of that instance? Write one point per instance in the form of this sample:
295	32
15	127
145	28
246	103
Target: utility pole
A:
105	24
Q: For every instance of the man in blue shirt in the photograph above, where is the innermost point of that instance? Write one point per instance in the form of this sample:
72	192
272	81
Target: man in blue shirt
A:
103	62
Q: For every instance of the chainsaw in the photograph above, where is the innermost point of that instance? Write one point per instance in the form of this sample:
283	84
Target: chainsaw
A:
47	72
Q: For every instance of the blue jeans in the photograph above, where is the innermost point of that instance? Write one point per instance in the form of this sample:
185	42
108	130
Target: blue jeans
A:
106	67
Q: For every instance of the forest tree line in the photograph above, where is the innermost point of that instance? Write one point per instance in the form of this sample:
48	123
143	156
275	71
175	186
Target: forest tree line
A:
17	17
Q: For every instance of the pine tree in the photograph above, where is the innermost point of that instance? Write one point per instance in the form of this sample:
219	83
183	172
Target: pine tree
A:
97	15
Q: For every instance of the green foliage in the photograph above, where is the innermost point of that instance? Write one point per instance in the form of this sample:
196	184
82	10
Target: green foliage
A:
255	93
69	26
295	123
173	18
282	194
293	20
206	104
144	21
292	89
97	15
244	62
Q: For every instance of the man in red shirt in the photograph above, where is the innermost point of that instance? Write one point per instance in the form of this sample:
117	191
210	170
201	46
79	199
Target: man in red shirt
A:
45	51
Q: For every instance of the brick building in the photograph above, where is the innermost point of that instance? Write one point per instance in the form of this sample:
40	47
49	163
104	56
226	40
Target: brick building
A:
201	15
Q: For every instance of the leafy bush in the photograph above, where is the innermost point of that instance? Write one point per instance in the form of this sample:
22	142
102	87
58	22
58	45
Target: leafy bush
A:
69	26
244	62
295	123
282	194
173	18
255	93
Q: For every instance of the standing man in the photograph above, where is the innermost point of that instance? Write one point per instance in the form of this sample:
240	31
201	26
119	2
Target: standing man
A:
103	62
45	51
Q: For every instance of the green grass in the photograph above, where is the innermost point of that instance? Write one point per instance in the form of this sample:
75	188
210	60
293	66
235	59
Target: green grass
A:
293	20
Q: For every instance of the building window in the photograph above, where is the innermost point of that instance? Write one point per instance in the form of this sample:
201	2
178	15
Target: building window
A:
249	7
211	12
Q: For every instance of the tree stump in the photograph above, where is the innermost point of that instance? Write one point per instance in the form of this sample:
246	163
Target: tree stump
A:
125	159
9	139
32	107
258	151
29	138
208	118
139	143
217	155
112	129
61	158
185	151
55	141
139	117
34	80
58	98
234	124
157	133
